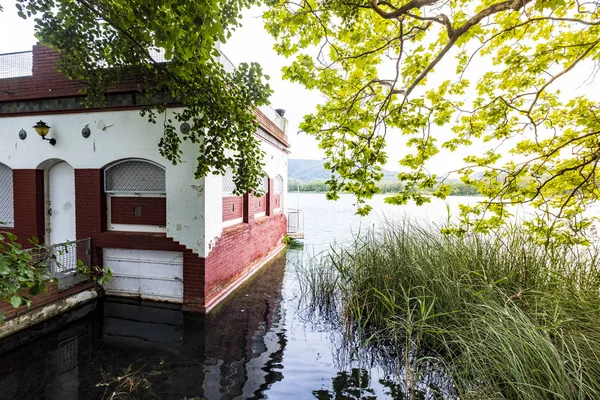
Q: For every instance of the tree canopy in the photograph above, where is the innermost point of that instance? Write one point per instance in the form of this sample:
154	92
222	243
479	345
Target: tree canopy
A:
103	41
453	74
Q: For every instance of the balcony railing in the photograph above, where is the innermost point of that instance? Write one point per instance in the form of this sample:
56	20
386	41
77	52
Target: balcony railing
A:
15	65
61	261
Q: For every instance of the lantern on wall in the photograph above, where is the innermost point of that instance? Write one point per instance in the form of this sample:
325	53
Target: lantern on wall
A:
42	129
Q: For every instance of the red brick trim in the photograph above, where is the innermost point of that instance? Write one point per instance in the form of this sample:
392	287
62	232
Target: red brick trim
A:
137	241
81	110
152	210
233	207
260	204
28	192
276	201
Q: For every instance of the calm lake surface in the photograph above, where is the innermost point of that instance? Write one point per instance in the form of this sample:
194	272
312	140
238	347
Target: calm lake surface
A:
259	344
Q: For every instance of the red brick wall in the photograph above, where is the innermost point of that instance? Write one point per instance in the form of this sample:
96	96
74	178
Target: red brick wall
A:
260	204
194	271
137	240
233	207
28	189
270	199
90	207
46	82
238	248
153	210
276	201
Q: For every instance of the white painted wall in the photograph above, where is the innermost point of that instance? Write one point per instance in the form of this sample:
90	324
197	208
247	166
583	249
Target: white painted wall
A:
194	207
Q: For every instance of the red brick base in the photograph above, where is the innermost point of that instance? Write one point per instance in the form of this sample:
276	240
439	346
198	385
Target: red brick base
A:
235	255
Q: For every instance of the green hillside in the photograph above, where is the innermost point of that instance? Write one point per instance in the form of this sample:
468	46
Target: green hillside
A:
312	170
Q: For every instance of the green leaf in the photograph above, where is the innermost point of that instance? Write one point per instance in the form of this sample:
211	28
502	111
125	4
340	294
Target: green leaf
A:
16	301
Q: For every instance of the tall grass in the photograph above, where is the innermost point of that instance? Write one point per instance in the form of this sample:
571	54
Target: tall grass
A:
506	317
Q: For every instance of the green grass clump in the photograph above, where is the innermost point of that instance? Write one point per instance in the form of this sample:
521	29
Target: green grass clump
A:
506	317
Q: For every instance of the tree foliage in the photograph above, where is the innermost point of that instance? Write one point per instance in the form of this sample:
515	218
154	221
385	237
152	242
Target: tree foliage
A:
20	275
104	41
453	74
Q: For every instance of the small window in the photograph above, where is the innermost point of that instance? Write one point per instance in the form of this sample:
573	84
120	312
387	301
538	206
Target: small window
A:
135	176
7	211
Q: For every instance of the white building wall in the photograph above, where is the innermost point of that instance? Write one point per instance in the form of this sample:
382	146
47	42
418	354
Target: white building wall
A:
194	206
115	136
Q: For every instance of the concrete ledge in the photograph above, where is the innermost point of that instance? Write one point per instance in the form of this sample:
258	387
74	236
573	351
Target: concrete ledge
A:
45	312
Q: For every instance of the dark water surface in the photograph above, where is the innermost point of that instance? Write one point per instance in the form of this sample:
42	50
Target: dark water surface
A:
259	344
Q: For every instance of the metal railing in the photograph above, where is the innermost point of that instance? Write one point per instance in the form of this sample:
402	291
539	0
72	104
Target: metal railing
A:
295	221
61	261
15	65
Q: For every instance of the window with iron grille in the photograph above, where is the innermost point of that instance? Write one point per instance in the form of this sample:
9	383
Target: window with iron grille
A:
278	184
135	176
228	184
7	210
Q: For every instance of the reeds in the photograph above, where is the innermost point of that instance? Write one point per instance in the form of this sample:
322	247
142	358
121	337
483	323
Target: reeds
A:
506	317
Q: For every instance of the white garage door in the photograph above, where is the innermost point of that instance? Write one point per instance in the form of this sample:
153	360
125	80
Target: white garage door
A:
151	275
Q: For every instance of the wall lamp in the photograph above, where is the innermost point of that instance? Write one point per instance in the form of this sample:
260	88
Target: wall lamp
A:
42	129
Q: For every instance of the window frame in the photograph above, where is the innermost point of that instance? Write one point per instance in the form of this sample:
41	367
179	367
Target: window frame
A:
142	193
11	189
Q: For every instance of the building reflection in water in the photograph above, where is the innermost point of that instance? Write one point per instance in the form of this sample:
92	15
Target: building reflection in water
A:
140	350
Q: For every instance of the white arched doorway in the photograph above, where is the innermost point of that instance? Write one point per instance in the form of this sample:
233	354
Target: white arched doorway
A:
61	203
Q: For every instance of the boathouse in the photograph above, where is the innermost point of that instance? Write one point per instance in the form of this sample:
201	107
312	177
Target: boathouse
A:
97	178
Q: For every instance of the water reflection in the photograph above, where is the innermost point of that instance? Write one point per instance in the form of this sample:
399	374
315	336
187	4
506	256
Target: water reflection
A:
264	342
129	349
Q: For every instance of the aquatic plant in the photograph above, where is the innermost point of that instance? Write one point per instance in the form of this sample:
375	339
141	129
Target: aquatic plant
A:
504	316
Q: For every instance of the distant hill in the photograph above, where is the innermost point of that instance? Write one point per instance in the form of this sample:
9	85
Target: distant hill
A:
312	170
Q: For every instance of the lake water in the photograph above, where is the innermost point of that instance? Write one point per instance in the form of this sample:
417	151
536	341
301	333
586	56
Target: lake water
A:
259	344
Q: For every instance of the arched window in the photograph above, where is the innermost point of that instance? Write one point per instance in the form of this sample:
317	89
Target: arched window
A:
7	210
233	206
134	176
260	207
278	184
136	196
277	193
228	184
265	184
